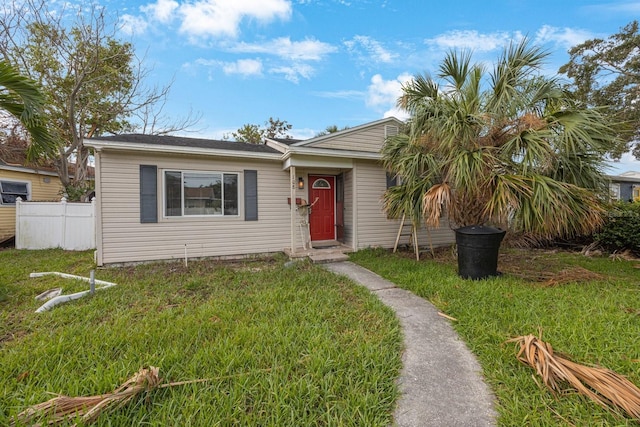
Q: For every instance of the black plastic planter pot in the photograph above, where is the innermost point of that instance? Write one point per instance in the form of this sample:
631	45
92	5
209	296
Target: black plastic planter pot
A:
478	251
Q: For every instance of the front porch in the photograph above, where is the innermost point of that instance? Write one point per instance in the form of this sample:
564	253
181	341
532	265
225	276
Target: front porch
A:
321	252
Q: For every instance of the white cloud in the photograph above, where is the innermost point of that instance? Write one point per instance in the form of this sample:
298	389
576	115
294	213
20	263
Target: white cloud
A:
245	67
203	19
131	25
306	50
375	51
471	39
397	113
294	72
304	133
161	11
220	18
385	93
564	37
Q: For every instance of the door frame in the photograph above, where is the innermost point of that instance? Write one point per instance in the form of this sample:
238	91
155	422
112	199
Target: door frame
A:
333	199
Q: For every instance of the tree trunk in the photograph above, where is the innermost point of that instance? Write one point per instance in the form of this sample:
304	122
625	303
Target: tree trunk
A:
82	159
62	167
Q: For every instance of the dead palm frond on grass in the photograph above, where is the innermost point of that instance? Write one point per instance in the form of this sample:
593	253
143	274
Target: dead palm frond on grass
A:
87	408
559	374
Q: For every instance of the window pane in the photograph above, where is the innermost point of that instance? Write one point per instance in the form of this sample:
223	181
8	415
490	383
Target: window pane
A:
321	183
173	193
14	187
230	194
10	191
10	199
202	194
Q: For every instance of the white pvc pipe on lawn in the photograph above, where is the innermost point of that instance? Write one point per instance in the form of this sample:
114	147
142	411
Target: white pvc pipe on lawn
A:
64	298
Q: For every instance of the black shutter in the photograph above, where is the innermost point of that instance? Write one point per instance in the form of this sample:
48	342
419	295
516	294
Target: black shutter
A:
148	193
250	195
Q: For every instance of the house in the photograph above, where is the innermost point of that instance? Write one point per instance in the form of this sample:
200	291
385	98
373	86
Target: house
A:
27	183
168	197
625	187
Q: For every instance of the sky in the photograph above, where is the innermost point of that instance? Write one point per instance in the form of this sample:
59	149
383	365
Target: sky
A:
318	63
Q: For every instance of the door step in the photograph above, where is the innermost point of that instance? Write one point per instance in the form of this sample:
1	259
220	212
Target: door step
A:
327	257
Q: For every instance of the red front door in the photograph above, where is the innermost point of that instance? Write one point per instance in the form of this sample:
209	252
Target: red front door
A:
322	199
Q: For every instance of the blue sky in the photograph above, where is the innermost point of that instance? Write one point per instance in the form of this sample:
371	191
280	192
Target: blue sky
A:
316	63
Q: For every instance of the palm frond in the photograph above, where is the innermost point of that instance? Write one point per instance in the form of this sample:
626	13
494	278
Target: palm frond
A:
87	408
21	97
605	387
558	209
437	199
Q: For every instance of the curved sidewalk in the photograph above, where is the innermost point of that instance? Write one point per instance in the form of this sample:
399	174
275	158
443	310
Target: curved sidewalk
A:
440	382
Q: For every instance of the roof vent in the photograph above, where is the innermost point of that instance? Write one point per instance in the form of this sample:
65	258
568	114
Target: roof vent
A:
390	130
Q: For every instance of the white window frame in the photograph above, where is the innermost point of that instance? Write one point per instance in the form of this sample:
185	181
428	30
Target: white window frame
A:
17	181
614	191
182	214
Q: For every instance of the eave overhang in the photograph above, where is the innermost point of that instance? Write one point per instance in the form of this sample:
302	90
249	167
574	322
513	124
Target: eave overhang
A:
323	157
174	149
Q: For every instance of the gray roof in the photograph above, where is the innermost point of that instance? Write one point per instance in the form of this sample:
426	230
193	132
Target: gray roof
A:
28	169
180	141
286	141
622	178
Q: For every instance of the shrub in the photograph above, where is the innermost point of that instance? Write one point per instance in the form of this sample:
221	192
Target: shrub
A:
78	192
621	230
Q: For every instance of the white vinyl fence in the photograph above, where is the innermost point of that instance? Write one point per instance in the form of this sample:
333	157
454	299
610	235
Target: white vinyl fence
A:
43	225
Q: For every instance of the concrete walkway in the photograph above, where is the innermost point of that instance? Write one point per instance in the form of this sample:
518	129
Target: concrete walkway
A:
441	382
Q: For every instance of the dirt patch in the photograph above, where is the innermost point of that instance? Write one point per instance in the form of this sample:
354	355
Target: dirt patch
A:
568	275
534	265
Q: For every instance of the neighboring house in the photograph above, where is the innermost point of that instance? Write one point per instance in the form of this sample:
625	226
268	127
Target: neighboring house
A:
625	187
166	197
28	184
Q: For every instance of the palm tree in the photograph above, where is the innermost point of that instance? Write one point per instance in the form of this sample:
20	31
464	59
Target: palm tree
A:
509	148
21	98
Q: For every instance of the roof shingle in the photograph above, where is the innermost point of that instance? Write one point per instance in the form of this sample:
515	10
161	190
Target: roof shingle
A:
179	141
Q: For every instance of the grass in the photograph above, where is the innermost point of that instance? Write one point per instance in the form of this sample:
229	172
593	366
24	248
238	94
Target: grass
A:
282	345
593	321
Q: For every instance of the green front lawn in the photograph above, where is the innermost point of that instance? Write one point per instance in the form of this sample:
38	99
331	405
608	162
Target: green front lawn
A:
282	345
595	319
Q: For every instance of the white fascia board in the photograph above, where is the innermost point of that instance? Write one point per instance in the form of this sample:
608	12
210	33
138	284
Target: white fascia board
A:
333	153
623	178
173	149
318	162
276	145
25	169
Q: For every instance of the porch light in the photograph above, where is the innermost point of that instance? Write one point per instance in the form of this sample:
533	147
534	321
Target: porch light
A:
301	183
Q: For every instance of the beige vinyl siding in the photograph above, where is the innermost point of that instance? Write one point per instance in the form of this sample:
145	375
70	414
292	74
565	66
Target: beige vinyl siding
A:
125	239
369	140
348	208
442	236
40	191
374	228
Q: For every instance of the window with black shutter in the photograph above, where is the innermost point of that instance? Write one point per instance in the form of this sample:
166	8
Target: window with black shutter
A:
250	195
148	194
